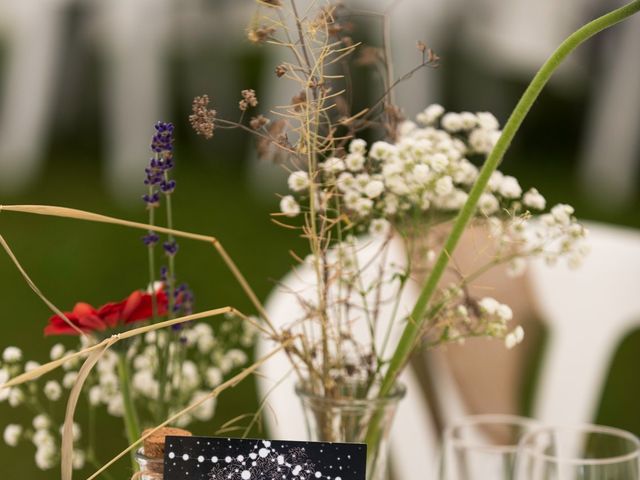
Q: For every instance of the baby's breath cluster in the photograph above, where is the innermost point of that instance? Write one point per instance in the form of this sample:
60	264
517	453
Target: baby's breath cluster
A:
422	180
201	359
45	430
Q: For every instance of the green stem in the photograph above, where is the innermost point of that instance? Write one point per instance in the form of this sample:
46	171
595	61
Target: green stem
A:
418	318
131	422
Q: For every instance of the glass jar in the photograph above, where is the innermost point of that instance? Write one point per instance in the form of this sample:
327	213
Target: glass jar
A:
349	418
150	468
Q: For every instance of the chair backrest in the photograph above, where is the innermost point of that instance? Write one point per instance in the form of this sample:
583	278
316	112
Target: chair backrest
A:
588	312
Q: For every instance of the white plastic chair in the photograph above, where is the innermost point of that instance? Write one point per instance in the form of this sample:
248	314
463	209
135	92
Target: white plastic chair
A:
588	312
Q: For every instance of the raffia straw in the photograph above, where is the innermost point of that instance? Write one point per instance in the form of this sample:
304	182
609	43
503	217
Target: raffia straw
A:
66	463
232	382
47	367
37	291
65	212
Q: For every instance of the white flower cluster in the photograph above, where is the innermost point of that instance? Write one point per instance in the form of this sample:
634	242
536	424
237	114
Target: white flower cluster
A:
424	178
42	432
198	360
427	169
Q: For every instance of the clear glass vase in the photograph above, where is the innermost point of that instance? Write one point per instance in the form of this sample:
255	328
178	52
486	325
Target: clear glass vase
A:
149	468
350	417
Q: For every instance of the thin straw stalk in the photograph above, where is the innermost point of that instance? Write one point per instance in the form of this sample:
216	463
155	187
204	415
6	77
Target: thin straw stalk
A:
65	212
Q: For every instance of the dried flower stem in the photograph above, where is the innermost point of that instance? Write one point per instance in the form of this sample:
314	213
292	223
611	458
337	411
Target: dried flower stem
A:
37	291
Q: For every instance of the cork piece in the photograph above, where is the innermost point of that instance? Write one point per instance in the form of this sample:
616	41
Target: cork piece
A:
154	444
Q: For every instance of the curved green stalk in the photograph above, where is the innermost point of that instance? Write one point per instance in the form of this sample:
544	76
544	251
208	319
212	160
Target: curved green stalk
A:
418	318
132	424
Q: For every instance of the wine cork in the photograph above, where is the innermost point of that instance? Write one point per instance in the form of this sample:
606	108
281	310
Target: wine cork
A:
154	444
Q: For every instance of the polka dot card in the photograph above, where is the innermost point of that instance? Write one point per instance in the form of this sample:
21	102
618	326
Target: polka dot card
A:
201	458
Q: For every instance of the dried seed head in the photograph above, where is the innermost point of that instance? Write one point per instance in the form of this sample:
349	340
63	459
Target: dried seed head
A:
421	46
281	70
260	34
202	119
258	122
249	99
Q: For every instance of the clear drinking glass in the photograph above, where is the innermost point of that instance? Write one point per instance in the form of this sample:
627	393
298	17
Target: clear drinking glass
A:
588	452
483	447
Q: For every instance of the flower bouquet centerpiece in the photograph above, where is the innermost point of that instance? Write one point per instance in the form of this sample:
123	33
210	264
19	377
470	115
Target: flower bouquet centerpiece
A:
364	185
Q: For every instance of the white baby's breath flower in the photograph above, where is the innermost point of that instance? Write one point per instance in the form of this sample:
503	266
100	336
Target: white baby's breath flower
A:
144	383
12	434
45	457
504	312
16	397
516	267
52	390
469	120
509	187
421	173
4	376
364	206
514	338
333	165
355	161
379	227
30	366
346	182
489	305
444	185
406	128
205	410
41	422
357	145
482	141
381	150
351	200
190	375
43	437
487	121
12	354
439	162
430	114
69	379
237	357
57	351
562	213
289	206
374	189
391	204
495	180
213	377
95	395
533	199
78	459
298	181
452	122
115	407
488	204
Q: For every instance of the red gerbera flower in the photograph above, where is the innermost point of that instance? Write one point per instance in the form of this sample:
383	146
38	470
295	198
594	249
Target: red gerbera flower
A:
137	307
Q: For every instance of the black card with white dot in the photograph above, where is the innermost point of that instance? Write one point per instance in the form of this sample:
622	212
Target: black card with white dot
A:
202	458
